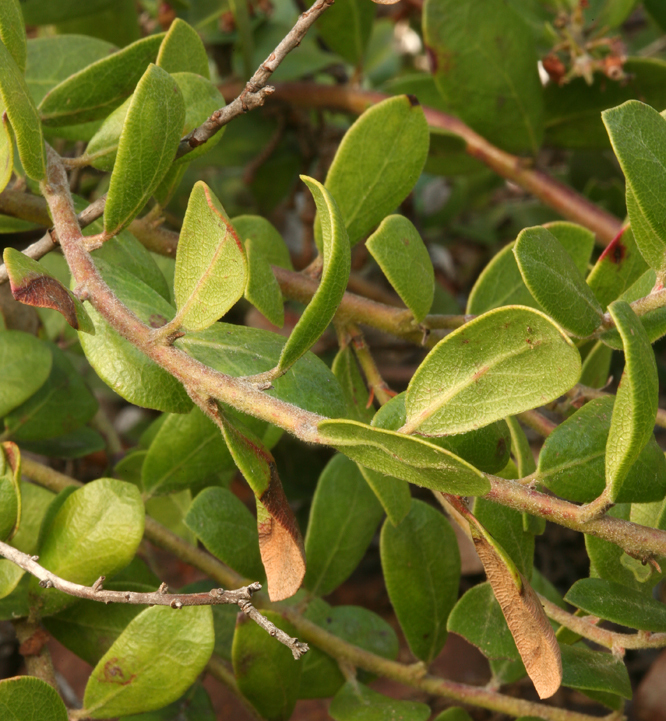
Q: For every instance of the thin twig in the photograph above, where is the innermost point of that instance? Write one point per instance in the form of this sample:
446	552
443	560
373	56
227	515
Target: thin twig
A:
241	597
378	387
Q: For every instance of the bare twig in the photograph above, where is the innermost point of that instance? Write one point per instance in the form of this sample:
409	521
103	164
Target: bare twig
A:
256	91
241	597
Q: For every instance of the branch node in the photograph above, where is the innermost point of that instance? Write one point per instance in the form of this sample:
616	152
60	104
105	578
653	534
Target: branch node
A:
163	588
176	604
97	586
46	583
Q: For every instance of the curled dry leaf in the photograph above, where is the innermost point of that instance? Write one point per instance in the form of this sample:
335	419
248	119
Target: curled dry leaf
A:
524	615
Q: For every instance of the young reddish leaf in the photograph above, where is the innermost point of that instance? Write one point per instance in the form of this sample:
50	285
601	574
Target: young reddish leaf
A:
211	267
32	284
280	540
523	612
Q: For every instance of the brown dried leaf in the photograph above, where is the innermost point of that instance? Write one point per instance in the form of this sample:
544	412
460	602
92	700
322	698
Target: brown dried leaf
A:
525	617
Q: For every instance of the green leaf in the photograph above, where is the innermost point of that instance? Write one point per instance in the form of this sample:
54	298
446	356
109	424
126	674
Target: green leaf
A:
555	282
211	268
6	150
96	532
405	457
60	406
23	116
12	31
265	670
618	267
187	450
585	669
459	714
596	366
401	254
421	566
346	29
194	705
32	284
77	444
97	89
25	364
346	370
616	603
356	702
377	164
38	12
636	403
280	541
343	519
335	273
506	527
264	247
25	698
463	42
478	618
393	493
241	351
572	459
503	362
132	677
576	240
170	511
182	51
227	529
525	465
638	136
147	147
10	490
117	362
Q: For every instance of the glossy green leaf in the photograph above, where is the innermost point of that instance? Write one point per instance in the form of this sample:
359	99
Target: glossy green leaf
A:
32	284
616	603
23	116
503	362
393	493
463	42
280	541
60	406
335	273
403	257
636	403
241	351
25	364
182	51
12	31
117	362
638	136
227	529
6	150
554	281
187	449
377	164
478	618
265	670
10	490
586	669
97	89
573	110
346	370
264	247
96	532
421	566
596	366
346	29
356	702
26	698
149	140
405	457
157	657
618	268
343	519
211	267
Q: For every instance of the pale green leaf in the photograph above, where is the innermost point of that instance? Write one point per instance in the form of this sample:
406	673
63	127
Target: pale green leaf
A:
502	363
182	51
346	370
26	698
393	493
147	147
6	150
345	28
25	364
596	366
12	31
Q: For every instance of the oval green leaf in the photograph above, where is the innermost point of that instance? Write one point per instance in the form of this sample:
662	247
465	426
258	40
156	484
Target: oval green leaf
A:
421	565
553	279
377	164
97	89
356	702
12	31
26	698
25	364
335	273
343	519
211	267
636	403
136	677
182	51
346	29
502	363
585	669
403	257
147	147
